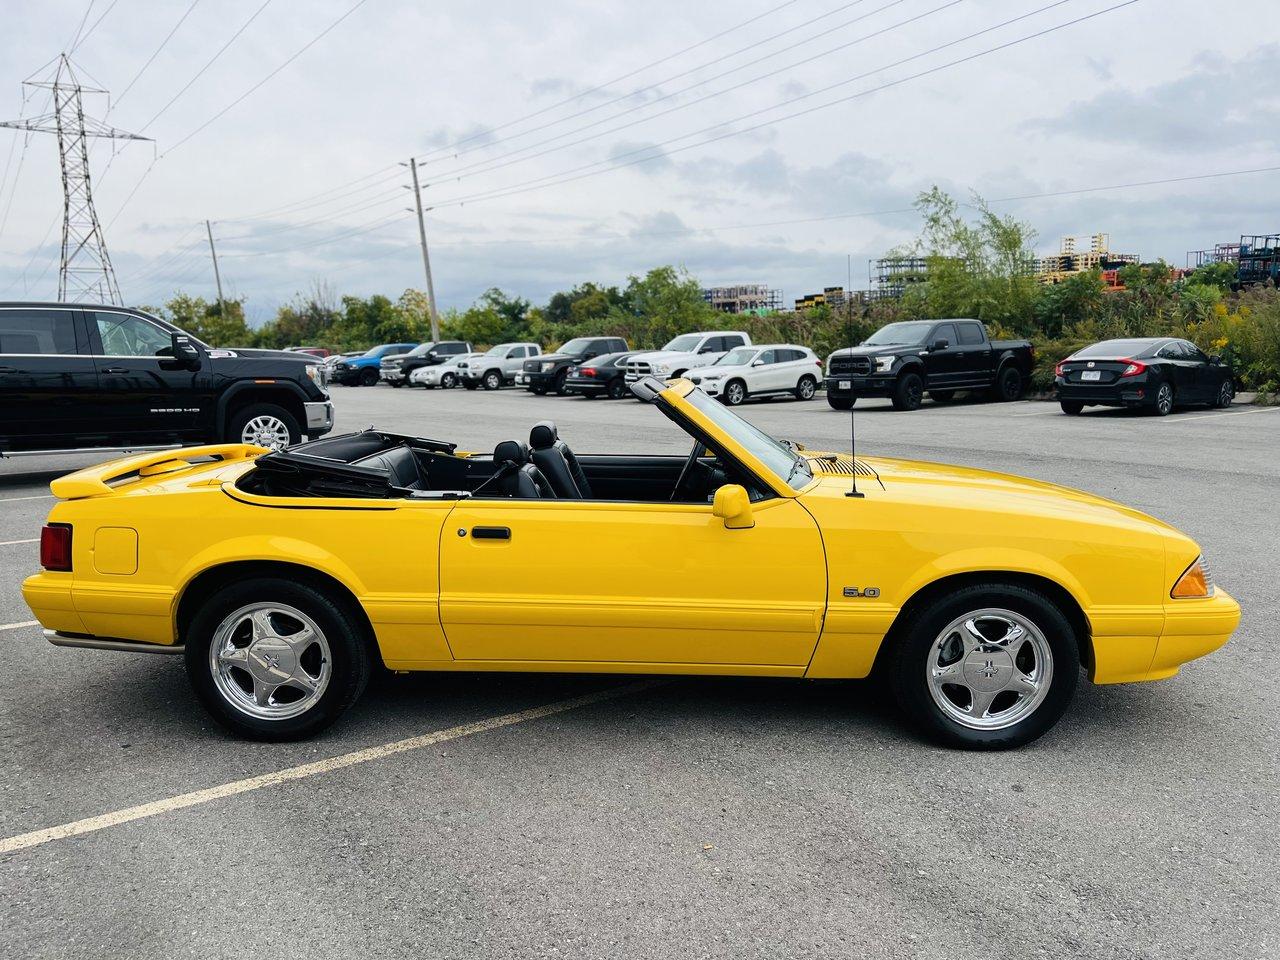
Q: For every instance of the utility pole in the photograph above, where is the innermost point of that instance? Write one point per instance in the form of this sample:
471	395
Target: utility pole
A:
426	256
217	277
85	273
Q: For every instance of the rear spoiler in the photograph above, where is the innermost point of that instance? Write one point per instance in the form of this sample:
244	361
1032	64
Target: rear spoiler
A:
96	481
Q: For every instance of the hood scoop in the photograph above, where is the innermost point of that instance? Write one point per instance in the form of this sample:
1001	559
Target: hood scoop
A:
838	466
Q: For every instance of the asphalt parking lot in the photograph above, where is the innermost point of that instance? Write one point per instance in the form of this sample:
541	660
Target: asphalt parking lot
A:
695	817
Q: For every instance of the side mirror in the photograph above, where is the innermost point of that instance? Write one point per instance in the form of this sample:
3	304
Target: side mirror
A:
733	506
184	350
705	350
940	344
757	363
1215	359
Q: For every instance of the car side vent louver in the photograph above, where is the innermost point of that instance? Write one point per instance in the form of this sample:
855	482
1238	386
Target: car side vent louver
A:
844	466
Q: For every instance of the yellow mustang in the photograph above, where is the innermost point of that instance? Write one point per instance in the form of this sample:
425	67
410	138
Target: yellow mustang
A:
284	577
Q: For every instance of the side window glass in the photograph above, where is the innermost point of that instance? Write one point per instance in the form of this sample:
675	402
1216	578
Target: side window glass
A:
970	333
947	332
768	356
734	340
123	335
37	331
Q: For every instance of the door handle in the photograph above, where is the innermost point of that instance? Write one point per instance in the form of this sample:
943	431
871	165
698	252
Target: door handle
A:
491	533
116	370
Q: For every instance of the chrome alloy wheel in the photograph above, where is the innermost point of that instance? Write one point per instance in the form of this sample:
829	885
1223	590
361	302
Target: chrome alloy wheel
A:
1164	400
989	669
1227	393
270	661
266	431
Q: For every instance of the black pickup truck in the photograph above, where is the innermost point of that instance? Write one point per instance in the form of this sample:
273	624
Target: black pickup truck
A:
903	360
79	378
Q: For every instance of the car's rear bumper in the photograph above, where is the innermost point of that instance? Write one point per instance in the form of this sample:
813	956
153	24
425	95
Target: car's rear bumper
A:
592	387
1155	645
94	609
843	387
1104	395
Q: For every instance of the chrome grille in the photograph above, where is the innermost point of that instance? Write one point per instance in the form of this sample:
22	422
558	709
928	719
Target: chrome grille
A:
852	366
639	368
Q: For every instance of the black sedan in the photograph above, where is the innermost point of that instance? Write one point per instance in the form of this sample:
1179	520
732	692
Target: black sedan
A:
601	377
1154	373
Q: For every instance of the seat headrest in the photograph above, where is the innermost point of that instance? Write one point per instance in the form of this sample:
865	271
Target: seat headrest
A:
511	451
543	435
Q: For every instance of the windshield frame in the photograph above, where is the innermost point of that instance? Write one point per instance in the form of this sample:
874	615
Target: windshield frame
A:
926	326
772	462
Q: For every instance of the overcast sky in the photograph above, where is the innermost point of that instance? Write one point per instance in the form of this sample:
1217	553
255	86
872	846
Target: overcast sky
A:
572	141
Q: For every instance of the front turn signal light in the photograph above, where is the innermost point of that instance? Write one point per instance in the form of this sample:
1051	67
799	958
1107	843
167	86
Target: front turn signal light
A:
1195	582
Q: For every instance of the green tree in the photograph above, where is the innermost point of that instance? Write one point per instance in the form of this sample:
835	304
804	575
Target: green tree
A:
663	303
207	321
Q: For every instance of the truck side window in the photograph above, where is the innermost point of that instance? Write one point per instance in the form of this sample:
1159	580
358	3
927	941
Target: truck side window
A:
970	333
945	331
731	341
37	332
123	335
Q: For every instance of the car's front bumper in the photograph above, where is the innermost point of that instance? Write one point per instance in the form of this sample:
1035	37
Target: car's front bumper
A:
537	380
1154	643
391	374
319	415
842	386
710	387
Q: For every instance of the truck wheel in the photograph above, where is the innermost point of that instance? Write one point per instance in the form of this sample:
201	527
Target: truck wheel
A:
986	667
1071	407
909	392
538	391
942	396
806	388
264	424
470	384
492	380
369	378
841	403
561	377
1008	385
276	660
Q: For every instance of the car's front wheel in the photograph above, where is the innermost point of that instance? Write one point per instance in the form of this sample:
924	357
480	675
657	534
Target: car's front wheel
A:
986	667
276	660
492	380
369	378
909	392
841	403
448	381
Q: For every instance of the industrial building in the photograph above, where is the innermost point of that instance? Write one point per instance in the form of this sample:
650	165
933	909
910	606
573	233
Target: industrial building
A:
1069	261
833	297
1256	258
743	298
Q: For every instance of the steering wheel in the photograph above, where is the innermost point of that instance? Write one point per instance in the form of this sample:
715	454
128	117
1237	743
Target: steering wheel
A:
698	449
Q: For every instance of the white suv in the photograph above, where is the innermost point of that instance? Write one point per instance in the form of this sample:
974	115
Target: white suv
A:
762	370
686	352
498	366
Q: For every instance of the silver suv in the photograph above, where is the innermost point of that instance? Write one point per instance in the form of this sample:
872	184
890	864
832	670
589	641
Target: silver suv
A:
497	367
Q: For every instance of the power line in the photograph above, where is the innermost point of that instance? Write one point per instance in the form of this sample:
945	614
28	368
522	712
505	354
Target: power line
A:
151	59
84	19
572	175
75	46
487	166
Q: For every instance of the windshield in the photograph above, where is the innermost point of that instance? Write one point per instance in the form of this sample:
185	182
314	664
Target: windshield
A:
774	454
499	351
684	343
421	350
736	358
576	346
899	333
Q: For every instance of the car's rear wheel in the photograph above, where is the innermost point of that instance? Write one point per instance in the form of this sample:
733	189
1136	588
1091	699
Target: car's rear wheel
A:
396	383
1071	407
986	667
806	388
1162	405
617	388
1226	394
538	391
492	380
264	425
1008	385
908	392
735	391
841	403
276	660
942	396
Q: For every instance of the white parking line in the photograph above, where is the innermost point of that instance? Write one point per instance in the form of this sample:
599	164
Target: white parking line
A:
10	543
35	838
1224	413
45	496
19	626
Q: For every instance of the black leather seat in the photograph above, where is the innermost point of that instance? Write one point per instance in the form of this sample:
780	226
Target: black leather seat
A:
399	464
517	476
557	462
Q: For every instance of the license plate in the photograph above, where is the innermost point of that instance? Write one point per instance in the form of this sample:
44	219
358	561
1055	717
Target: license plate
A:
1091	375
844	384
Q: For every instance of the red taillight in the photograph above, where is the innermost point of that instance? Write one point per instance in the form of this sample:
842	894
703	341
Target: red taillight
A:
1134	367
1060	368
55	547
587	372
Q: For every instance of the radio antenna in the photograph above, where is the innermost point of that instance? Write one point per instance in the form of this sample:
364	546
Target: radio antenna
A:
853	417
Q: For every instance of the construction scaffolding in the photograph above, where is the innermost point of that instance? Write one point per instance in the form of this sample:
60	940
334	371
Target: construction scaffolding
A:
743	298
1070	260
1259	259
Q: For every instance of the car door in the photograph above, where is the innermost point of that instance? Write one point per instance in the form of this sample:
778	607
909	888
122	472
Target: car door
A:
973	355
1204	385
766	377
147	395
942	365
1178	371
48	381
524	580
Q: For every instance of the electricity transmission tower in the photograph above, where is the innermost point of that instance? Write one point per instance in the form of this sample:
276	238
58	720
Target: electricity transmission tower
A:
86	273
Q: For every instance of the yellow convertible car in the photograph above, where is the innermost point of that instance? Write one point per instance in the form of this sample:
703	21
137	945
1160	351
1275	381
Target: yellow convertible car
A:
284	578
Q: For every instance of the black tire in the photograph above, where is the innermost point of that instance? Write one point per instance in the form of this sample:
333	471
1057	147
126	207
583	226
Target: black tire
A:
908	392
942	396
617	388
1008	386
1163	400
258	412
350	658
1071	408
558	387
587	395
369	377
909	664
492	380
449	380
396	383
470	384
734	392
841	403
806	388
537	391
1226	394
